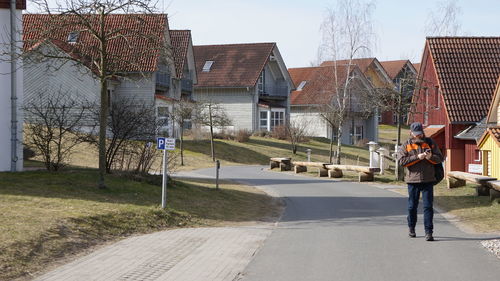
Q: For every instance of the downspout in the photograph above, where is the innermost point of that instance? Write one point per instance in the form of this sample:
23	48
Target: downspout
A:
13	85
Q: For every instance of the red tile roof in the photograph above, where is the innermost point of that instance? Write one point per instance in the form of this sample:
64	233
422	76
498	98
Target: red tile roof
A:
20	4
363	63
393	68
432	132
319	88
417	67
128	53
235	65
180	45
467	69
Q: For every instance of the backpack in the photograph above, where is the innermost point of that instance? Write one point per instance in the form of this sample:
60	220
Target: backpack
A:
438	168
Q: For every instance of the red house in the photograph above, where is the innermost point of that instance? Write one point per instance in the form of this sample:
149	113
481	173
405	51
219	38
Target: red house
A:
457	78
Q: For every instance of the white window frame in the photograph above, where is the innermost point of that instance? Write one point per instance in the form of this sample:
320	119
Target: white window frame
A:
476	159
301	85
280	119
357	136
207	66
73	37
266	126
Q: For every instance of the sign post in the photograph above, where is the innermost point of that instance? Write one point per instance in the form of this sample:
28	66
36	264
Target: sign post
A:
165	144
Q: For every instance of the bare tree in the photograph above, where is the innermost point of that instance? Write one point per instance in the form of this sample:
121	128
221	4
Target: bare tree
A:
52	122
92	20
129	121
182	115
346	34
296	131
444	20
212	115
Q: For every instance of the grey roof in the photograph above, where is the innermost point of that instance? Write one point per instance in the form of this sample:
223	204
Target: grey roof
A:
473	132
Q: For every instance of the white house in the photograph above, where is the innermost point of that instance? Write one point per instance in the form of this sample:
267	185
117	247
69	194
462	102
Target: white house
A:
316	91
250	81
157	79
10	161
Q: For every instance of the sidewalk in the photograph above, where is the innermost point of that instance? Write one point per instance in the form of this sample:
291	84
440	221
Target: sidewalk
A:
182	254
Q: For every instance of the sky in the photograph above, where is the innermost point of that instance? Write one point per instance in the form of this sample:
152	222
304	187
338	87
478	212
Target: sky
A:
294	24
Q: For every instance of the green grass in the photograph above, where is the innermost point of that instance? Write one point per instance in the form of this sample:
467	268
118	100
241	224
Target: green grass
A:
46	217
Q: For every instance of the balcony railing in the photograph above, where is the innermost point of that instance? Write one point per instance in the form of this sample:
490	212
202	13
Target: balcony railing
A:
163	79
275	91
186	85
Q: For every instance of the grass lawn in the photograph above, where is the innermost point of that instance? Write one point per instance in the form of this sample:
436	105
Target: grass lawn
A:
46	217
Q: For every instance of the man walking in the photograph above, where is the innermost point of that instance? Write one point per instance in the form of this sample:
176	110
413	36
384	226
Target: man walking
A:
419	155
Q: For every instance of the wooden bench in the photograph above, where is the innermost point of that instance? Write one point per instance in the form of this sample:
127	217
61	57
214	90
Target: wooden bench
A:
457	179
284	163
300	167
365	173
494	189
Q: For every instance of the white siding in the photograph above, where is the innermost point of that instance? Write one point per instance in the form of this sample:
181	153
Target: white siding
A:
140	89
238	103
5	102
59	75
317	126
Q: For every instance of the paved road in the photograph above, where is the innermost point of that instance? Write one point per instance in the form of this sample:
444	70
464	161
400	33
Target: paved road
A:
349	231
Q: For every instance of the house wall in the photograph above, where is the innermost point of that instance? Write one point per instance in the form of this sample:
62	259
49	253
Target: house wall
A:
59	76
317	127
436	112
490	145
5	101
470	153
140	89
239	104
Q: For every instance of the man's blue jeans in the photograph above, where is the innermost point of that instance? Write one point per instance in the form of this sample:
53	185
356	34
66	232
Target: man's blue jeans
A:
427	190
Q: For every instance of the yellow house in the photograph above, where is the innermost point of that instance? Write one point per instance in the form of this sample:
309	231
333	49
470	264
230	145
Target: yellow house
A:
489	143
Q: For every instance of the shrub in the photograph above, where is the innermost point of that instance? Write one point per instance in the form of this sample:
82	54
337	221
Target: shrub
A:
280	132
243	136
362	143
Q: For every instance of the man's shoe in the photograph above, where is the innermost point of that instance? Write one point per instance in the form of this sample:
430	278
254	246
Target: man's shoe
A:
428	237
412	233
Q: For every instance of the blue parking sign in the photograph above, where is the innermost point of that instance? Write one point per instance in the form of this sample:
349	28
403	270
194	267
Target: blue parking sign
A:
160	143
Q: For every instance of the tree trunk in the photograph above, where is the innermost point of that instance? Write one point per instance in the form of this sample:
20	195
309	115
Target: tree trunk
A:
332	128
212	148
339	142
103	111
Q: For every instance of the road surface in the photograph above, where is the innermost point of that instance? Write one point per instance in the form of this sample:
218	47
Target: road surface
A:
350	231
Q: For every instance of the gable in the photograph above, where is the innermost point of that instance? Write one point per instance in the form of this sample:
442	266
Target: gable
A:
467	69
494	110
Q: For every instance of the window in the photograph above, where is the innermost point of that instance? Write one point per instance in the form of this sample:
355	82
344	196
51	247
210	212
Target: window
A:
277	118
357	133
301	85
73	37
379	117
394	118
207	66
263	120
262	82
110	99
436	96
477	155
488	164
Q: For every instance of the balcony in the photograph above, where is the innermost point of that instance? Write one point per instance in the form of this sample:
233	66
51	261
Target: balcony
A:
163	79
275	93
186	85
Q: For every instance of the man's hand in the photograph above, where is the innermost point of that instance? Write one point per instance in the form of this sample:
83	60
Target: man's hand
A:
428	155
421	156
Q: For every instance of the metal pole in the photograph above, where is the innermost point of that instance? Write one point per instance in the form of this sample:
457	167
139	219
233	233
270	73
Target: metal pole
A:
13	85
217	167
165	180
